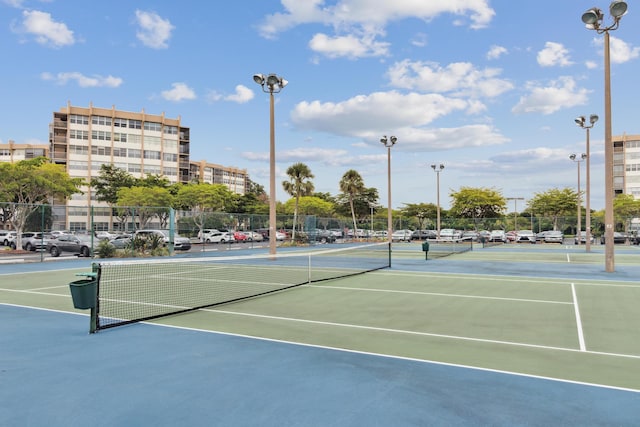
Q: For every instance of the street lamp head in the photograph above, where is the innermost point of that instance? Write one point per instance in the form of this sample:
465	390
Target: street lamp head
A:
437	168
580	121
617	9
593	17
258	78
584	156
271	83
390	142
572	157
593	119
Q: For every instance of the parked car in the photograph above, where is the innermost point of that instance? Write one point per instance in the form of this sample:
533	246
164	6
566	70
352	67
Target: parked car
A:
423	234
401	235
34	241
511	236
617	238
179	243
206	233
79	245
498	236
450	234
121	242
554	236
322	236
239	236
470	235
216	236
525	236
582	239
6	237
252	236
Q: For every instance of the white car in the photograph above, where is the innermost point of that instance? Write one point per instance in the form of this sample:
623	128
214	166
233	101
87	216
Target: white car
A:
401	235
498	236
450	234
252	236
219	237
525	236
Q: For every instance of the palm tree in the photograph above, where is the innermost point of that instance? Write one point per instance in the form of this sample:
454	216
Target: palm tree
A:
299	185
352	184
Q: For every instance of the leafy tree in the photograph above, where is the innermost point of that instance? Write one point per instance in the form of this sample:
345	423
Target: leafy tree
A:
476	203
420	211
148	202
299	185
554	203
109	180
152	180
310	205
625	207
203	199
351	186
29	183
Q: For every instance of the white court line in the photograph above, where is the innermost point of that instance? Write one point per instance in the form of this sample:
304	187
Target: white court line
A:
568	257
578	320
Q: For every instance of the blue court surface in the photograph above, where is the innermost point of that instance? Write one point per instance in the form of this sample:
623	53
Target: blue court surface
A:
502	336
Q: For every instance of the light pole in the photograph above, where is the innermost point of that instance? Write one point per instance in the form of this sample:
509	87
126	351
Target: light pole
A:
515	213
593	19
372	206
437	169
271	84
580	121
389	143
579	160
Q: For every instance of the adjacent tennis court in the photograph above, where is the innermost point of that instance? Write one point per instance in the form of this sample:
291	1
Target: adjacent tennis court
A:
506	335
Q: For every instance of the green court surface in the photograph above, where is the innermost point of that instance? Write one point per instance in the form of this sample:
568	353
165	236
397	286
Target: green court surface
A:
533	310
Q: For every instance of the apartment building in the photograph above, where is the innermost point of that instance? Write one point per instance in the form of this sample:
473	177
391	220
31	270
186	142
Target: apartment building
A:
237	180
12	152
85	138
626	165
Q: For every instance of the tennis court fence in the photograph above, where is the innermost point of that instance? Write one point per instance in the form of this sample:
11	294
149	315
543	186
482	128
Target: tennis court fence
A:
139	290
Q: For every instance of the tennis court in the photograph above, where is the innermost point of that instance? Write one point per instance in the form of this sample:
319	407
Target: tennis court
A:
506	335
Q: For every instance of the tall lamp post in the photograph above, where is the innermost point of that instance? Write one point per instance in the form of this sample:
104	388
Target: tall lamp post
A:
437	169
389	143
593	19
581	121
579	160
271	84
515	213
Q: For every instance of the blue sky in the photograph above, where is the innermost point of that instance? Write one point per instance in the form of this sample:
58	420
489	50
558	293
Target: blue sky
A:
488	88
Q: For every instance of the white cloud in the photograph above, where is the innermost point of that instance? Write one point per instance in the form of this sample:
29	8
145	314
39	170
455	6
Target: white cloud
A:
180	92
348	46
559	94
82	80
243	94
591	65
358	13
554	54
496	52
154	32
46	30
619	50
460	78
419	40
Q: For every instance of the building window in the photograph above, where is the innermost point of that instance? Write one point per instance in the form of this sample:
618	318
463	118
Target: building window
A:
170	157
120	123
79	134
101	120
81	120
77	226
133	168
119	152
100	135
171	130
150	169
100	151
135	124
81	150
119	137
157	127
149	154
134	154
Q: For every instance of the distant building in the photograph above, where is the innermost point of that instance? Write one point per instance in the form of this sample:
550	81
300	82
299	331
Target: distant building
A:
12	152
85	138
237	180
626	165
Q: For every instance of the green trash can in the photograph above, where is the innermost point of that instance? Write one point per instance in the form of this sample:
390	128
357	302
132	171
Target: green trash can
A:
84	293
425	249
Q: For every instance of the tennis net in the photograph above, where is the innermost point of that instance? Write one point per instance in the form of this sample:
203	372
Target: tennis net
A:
138	290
